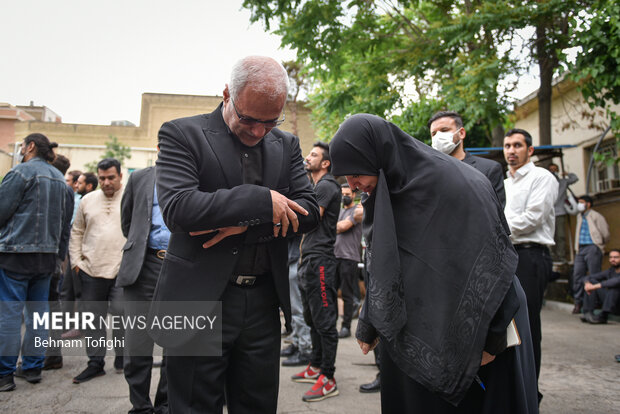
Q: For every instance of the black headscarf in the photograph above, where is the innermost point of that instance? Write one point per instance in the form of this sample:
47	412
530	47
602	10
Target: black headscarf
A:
440	259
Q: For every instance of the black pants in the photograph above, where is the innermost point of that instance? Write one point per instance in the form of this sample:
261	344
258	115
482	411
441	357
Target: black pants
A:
248	370
137	369
70	288
54	302
317	277
347	280
96	293
533	271
608	299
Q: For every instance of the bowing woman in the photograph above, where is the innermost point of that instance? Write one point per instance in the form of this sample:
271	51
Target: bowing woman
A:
441	289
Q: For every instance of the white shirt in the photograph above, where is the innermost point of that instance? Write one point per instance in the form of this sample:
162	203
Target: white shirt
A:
530	196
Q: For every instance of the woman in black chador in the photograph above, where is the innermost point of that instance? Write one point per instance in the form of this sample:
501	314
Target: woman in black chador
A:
441	286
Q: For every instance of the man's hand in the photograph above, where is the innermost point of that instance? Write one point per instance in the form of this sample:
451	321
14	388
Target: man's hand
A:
486	358
589	287
221	235
284	213
366	348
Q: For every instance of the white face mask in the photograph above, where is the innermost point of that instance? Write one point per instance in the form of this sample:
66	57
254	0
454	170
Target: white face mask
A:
444	142
581	207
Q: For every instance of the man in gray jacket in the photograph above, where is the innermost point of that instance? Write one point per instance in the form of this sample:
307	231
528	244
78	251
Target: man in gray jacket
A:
591	235
143	255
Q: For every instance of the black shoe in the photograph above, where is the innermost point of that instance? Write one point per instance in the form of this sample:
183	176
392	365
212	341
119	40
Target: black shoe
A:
33	375
583	317
289	351
118	364
89	373
7	383
577	309
374	386
344	332
296	360
596	319
617	358
52	362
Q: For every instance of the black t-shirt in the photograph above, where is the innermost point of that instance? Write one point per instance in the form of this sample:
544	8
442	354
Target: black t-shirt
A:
321	240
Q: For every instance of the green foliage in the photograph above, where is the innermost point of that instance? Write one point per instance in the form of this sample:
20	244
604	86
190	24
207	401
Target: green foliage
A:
596	65
114	149
403	60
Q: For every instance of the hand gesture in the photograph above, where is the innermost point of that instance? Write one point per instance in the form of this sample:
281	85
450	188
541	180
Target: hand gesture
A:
284	213
221	235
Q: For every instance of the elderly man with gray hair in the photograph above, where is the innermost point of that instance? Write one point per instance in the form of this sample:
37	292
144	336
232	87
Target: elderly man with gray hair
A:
231	186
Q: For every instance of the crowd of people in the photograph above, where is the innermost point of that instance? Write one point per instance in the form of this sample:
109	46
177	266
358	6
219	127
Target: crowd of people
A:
455	268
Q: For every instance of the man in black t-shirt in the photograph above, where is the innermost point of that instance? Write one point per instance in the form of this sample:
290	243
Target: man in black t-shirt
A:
317	277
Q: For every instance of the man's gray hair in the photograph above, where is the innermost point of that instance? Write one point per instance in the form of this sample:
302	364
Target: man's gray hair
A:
266	76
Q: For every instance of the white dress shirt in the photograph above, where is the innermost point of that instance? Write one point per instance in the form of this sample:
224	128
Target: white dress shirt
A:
530	197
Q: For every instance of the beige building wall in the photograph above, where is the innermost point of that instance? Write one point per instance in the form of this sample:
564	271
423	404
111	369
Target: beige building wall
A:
569	127
85	143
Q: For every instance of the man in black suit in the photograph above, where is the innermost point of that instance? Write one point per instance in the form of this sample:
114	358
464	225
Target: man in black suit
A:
448	133
231	186
143	254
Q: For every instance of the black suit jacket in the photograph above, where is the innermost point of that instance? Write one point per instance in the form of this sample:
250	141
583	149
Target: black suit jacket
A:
136	211
492	170
200	187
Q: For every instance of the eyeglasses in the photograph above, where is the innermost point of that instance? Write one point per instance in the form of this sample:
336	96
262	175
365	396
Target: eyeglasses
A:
246	120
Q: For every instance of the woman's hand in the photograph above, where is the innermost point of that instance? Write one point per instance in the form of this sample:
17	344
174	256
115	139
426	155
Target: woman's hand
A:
486	358
366	348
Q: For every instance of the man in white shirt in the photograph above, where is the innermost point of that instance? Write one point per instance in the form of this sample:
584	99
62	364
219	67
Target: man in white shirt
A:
96	250
530	196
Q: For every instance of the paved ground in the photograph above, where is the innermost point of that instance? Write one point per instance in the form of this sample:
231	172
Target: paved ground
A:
579	375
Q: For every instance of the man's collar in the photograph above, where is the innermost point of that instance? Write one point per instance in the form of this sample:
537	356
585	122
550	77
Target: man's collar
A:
522	171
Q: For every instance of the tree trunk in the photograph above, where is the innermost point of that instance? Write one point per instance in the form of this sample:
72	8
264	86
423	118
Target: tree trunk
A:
497	139
546	66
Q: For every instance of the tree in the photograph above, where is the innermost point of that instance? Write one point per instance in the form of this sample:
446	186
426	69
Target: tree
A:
595	68
297	83
388	57
114	149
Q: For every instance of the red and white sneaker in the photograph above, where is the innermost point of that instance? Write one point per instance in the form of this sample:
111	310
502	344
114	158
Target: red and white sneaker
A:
308	375
323	388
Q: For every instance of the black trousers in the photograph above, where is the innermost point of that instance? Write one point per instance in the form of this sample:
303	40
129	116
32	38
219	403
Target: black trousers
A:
347	273
70	288
137	369
608	299
533	271
248	370
97	292
55	306
319	296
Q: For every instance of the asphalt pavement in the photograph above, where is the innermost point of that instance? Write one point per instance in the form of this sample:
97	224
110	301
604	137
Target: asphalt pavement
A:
579	375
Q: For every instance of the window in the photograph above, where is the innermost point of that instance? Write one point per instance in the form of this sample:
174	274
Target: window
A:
605	175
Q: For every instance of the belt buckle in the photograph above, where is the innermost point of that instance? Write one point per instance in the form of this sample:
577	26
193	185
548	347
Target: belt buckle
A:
243	280
160	254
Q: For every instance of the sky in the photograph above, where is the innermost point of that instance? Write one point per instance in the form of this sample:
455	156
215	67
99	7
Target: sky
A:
90	61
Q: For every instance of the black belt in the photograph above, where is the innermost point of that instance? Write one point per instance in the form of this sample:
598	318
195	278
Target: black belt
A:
530	246
159	253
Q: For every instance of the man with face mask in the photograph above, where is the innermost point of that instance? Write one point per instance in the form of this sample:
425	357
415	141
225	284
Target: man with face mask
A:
591	235
347	251
448	133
